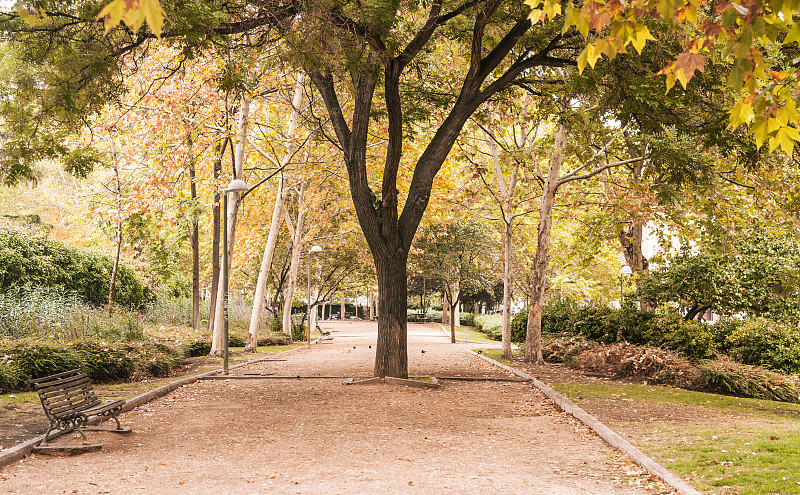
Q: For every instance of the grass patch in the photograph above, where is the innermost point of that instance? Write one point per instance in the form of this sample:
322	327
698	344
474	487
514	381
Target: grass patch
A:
754	462
495	354
468	333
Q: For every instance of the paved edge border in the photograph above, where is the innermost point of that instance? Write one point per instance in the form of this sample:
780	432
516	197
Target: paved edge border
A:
21	450
610	436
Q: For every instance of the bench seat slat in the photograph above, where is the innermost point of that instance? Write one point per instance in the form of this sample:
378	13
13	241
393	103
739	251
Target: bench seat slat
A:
74	406
63	382
65	390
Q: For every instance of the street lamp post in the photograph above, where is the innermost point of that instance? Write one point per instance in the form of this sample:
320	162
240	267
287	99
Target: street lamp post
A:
238	186
626	270
314	249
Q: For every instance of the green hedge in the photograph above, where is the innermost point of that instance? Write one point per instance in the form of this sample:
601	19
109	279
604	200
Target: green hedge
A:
33	260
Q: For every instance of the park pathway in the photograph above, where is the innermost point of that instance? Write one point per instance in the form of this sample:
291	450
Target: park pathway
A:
318	436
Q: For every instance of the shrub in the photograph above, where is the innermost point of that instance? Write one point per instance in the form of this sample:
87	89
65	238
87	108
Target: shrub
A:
726	377
9	377
196	348
519	327
35	359
102	362
274	338
695	339
564	348
32	260
767	343
298	331
645	363
491	325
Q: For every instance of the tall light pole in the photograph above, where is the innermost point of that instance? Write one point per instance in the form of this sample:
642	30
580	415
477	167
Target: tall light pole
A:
314	249
235	186
626	270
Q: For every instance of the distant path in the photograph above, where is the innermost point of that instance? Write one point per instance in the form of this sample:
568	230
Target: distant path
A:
318	436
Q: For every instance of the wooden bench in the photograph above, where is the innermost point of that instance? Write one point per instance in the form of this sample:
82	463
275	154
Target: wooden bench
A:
70	403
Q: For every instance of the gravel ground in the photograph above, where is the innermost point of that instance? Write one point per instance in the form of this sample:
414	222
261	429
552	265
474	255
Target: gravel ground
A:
318	435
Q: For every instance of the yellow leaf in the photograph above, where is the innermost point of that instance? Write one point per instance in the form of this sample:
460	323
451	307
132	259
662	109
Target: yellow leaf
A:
154	15
641	35
582	60
787	113
773	143
788	136
26	15
741	113
759	131
680	74
592	54
112	14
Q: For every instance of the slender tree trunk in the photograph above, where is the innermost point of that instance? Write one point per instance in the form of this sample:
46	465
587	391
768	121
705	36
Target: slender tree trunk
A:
195	244
392	308
371	302
297	248
266	264
453	304
342	307
508	274
219	149
113	282
533	338
233	209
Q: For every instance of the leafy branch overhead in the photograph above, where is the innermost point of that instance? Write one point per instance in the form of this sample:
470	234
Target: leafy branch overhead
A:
758	41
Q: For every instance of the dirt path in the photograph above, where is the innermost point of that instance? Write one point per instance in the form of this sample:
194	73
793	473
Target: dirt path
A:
318	435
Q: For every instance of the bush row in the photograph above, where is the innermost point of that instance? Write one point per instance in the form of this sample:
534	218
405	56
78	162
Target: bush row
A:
757	342
30	259
102	361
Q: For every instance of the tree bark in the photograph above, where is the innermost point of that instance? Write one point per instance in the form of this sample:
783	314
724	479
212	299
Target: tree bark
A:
266	264
113	282
533	338
233	209
118	249
392	321
219	150
195	240
297	248
342	308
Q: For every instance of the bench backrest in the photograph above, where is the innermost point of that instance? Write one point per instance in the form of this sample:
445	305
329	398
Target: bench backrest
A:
68	391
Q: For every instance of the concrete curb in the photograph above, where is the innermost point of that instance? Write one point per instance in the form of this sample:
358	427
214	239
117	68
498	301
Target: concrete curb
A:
610	436
17	452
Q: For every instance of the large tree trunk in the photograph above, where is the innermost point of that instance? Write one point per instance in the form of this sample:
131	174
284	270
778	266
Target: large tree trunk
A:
391	354
533	338
219	150
297	248
233	208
